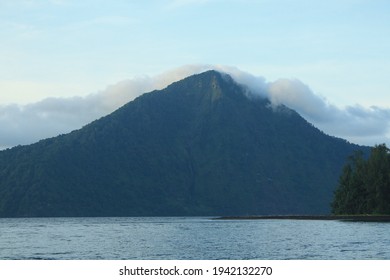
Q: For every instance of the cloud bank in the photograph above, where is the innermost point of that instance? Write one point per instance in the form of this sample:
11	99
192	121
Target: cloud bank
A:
29	123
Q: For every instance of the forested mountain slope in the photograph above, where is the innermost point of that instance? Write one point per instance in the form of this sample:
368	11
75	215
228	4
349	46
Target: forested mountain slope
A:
198	147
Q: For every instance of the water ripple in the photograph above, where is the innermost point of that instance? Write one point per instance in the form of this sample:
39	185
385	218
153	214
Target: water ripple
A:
190	238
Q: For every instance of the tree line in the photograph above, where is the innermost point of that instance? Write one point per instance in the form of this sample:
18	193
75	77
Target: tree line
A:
364	185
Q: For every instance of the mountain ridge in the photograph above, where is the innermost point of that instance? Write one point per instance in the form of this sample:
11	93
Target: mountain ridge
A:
198	147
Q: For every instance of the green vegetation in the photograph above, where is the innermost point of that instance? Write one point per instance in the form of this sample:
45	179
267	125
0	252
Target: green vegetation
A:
364	185
198	147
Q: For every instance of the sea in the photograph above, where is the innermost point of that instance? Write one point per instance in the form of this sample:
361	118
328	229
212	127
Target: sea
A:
191	238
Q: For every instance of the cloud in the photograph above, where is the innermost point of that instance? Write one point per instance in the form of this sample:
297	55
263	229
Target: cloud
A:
355	123
366	126
297	95
358	124
25	124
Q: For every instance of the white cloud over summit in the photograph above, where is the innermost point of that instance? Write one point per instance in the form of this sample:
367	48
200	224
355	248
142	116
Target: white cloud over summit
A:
25	124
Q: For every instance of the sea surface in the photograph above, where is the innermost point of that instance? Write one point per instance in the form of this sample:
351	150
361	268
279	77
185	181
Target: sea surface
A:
191	238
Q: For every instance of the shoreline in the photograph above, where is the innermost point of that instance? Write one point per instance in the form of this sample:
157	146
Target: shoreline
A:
352	218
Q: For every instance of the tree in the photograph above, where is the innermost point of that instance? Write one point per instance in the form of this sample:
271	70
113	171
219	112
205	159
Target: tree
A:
364	185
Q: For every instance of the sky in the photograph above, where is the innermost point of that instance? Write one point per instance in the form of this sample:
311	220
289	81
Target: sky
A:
64	63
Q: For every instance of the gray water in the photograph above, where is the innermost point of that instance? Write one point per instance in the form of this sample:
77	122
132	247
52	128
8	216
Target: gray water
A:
191	238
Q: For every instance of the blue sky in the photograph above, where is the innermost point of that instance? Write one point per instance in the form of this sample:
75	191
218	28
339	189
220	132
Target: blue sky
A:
68	49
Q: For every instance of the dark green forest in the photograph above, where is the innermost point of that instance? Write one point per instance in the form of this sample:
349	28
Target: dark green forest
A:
364	185
200	146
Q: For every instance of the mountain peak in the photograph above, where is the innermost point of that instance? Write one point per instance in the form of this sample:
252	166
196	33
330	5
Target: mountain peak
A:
211	84
210	78
210	75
